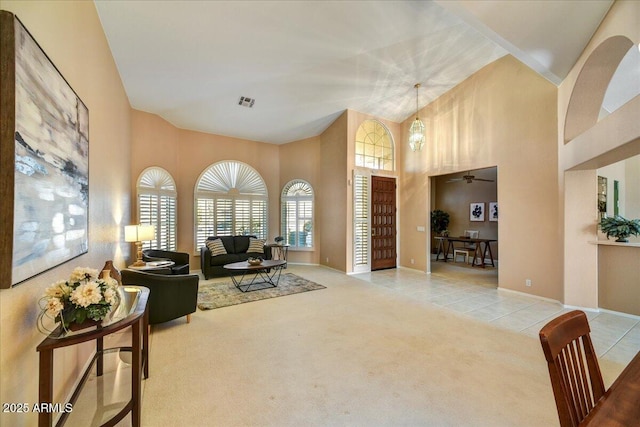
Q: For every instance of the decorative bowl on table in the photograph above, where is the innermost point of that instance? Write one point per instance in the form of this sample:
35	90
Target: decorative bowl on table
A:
254	261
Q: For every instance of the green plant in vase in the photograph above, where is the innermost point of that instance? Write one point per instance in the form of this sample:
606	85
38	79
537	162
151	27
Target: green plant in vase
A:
620	228
439	222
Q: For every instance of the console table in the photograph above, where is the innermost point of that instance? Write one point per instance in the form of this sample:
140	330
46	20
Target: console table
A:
132	311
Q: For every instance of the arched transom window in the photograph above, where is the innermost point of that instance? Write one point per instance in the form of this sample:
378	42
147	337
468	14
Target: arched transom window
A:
297	214
157	206
374	146
230	199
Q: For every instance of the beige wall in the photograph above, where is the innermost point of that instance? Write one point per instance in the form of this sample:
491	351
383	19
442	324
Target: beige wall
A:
186	155
504	115
301	160
332	199
618	272
611	139
71	35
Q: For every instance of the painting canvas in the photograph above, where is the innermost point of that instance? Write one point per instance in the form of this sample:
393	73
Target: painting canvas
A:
51	176
493	211
476	212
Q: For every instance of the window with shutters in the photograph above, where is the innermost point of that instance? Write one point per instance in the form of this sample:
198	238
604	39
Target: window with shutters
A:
374	146
361	239
297	214
230	199
157	206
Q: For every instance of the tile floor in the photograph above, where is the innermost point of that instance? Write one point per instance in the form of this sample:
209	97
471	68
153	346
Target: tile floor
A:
474	293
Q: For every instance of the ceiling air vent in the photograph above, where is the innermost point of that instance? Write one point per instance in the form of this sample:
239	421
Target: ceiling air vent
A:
246	101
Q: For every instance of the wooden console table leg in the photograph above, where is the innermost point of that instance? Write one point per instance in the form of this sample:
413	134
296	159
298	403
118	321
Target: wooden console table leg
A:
45	395
136	368
99	355
145	343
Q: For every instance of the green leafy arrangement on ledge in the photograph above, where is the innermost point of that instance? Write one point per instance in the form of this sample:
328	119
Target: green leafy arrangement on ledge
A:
439	222
620	228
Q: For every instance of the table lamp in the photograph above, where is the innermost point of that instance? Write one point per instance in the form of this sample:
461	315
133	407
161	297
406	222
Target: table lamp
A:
137	234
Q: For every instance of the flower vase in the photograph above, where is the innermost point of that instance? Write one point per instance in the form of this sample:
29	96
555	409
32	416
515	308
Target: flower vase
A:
114	273
73	326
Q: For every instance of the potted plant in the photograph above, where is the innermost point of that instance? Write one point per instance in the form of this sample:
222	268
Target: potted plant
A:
439	222
620	228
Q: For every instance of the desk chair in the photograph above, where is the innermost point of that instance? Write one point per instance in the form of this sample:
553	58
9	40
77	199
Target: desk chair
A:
467	248
573	366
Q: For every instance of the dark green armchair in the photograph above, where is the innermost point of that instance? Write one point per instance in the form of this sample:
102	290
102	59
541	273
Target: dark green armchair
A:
171	295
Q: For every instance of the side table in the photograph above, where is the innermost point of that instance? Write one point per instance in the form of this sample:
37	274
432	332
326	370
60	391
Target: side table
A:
279	251
133	312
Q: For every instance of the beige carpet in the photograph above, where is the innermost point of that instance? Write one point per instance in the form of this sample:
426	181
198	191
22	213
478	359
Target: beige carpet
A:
352	355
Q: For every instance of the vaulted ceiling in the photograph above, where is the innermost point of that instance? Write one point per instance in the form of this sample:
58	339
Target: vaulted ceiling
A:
305	62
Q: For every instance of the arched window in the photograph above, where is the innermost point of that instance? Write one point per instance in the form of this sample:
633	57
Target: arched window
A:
297	214
374	146
230	199
157	206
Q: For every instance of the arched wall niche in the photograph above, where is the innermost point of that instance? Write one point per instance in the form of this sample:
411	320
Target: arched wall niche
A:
591	142
591	85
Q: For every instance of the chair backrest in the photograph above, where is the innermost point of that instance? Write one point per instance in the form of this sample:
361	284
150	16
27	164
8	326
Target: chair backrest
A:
473	234
573	366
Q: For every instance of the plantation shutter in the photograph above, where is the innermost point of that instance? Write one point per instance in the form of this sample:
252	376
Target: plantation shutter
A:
157	206
361	222
297	214
231	199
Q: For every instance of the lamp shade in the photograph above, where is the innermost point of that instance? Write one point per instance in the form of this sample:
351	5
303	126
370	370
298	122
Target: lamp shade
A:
139	233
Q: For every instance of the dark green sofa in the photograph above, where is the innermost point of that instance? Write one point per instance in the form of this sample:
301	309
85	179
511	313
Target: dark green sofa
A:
236	247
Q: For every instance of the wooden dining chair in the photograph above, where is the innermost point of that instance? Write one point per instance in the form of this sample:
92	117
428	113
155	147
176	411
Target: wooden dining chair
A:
467	248
573	366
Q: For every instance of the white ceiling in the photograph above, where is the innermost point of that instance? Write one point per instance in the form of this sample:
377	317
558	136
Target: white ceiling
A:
305	62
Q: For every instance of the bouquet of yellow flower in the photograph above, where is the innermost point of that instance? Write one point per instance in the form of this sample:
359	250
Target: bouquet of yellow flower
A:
84	296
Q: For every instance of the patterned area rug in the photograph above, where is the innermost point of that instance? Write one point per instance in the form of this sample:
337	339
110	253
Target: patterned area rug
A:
222	294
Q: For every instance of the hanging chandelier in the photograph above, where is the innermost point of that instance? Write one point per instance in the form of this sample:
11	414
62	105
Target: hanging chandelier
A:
416	131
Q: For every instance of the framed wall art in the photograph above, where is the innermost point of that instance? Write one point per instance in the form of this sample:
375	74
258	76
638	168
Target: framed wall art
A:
476	212
44	158
493	211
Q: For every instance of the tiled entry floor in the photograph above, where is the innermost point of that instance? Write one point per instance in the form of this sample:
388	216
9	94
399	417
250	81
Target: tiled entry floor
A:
473	292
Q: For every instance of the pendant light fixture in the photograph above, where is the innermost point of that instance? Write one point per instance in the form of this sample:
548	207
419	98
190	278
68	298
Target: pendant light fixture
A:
416	131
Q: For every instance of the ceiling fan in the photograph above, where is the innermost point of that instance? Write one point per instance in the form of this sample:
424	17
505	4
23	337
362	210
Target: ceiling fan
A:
469	178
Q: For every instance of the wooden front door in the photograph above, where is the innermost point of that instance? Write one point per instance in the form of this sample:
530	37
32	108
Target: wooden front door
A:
383	222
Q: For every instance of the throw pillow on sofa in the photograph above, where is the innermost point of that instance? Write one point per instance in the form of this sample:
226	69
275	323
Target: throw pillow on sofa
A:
256	246
216	247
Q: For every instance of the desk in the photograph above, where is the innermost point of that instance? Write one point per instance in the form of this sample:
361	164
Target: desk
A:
620	405
440	248
483	249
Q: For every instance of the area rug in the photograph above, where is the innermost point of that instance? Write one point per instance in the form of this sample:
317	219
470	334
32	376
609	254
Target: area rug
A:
222	294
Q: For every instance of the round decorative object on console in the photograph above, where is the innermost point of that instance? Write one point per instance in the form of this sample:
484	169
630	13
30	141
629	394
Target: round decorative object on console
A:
114	273
254	261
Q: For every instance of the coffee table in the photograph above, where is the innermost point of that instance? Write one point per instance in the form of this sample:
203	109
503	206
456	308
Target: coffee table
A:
266	274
